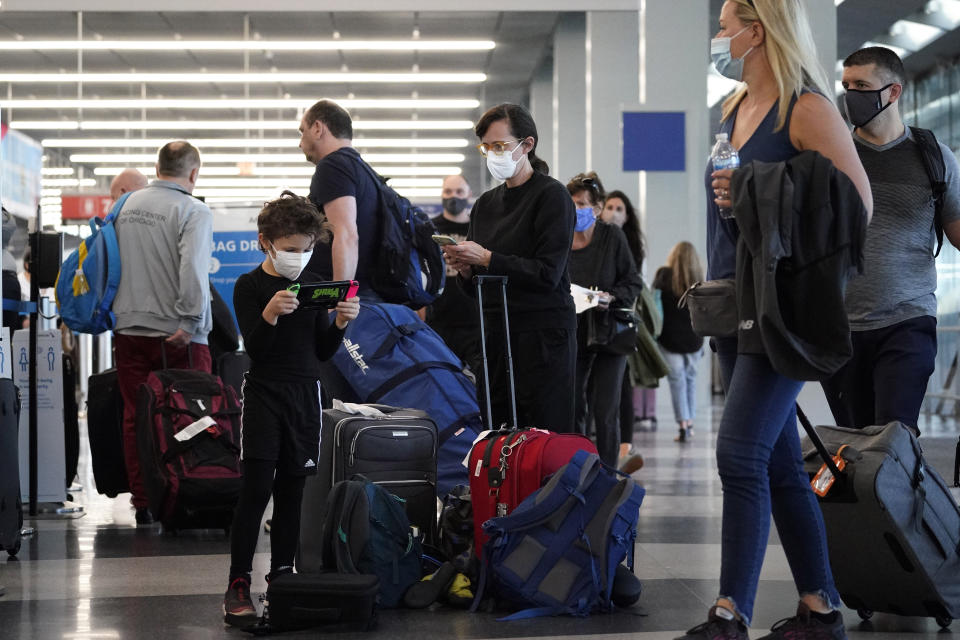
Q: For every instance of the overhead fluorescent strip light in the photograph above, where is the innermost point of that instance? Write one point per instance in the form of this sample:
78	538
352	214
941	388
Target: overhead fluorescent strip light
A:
300	170
233	125
247	45
259	197
300	182
57	171
235	158
241	103
335	77
67	182
204	143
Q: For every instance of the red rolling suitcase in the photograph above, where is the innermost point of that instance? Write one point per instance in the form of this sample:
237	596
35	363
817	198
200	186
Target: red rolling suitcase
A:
507	465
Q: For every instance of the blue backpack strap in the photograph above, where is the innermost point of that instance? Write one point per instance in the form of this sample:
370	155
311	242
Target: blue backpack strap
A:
22	307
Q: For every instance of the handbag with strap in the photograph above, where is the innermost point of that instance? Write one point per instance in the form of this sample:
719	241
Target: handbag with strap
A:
713	307
614	330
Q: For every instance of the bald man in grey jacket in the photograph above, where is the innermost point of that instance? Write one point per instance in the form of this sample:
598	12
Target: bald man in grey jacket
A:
163	301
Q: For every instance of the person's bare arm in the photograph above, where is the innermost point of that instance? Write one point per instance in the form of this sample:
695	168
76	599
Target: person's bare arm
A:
816	125
342	214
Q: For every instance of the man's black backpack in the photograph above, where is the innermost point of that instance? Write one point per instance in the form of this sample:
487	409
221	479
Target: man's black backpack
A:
936	170
409	266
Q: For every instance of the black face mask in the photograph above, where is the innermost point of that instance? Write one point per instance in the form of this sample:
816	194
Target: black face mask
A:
864	106
454	206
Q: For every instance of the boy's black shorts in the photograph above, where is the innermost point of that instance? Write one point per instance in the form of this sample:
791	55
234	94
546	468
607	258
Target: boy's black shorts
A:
281	422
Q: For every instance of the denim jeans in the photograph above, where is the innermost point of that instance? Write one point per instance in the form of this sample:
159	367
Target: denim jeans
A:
683	382
761	471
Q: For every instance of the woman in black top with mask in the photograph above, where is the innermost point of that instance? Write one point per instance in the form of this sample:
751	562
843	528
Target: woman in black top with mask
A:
600	259
522	229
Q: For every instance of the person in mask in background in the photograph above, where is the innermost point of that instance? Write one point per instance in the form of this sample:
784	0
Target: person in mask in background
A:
281	413
523	229
600	259
453	314
163	301
780	109
891	306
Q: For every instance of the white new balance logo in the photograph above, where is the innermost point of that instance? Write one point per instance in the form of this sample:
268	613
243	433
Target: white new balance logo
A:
309	464
354	350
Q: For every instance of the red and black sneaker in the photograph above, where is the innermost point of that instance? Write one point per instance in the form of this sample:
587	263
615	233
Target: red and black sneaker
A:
721	624
238	609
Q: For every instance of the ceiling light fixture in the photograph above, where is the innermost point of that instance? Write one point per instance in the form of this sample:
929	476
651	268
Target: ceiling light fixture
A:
291	143
242	103
300	170
236	158
57	171
232	125
68	182
247	45
255	196
301	182
306	77
914	35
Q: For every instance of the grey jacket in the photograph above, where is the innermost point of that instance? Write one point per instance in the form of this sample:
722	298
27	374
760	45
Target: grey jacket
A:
165	237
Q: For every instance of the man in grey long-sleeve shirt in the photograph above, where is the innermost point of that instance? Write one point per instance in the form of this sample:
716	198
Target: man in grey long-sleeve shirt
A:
163	301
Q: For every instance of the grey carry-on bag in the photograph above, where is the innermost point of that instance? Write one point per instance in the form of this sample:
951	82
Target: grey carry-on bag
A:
893	527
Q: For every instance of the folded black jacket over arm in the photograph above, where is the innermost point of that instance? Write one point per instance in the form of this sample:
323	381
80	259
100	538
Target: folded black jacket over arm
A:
802	226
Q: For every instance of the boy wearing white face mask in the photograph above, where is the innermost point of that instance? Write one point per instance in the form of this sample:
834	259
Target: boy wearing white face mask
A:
281	392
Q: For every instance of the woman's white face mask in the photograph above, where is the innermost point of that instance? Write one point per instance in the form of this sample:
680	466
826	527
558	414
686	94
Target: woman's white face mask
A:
290	264
725	64
503	167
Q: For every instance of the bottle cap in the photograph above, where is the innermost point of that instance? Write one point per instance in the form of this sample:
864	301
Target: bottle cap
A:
721	136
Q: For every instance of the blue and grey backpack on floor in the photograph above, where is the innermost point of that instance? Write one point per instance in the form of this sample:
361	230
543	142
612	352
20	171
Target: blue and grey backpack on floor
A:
557	553
390	356
89	277
367	532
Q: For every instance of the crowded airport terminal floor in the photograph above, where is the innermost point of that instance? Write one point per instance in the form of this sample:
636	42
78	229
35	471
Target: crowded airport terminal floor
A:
100	577
395	307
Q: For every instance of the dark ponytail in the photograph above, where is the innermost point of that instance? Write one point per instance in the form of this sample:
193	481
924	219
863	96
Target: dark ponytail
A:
521	126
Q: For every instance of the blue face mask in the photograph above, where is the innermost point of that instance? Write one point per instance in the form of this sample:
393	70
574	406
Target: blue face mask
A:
585	219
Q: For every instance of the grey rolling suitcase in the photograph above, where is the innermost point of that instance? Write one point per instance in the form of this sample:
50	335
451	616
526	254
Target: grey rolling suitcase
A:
397	451
893	527
11	510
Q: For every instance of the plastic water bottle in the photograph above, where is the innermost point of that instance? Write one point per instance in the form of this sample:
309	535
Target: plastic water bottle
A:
724	156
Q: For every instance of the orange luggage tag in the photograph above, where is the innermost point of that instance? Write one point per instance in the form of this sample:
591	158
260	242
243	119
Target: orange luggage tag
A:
823	481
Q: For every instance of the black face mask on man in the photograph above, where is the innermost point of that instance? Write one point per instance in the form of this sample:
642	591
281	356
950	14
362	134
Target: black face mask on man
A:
864	106
454	206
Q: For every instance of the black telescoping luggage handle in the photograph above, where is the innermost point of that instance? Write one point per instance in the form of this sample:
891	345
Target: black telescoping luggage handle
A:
479	281
818	443
163	353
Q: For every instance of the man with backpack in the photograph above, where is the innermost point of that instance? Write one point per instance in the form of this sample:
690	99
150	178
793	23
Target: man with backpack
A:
162	305
347	195
892	305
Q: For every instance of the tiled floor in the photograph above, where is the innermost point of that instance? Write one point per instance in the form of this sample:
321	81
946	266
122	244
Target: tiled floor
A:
99	577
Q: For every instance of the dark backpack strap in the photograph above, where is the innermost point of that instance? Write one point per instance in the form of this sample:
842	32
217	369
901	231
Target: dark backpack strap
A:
956	467
354	498
932	156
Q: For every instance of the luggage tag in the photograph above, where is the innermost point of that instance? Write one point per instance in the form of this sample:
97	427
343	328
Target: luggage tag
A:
823	481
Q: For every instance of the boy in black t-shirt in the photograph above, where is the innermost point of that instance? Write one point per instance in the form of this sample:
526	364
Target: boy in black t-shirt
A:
281	392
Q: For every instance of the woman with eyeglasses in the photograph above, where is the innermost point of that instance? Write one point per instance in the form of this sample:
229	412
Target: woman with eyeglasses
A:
781	109
522	229
601	260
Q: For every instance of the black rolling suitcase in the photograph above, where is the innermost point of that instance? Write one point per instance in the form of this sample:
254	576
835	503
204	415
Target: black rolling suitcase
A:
11	510
397	450
301	601
893	528
71	419
105	431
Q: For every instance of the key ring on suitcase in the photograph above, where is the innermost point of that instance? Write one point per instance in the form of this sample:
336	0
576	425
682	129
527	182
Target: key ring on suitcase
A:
506	450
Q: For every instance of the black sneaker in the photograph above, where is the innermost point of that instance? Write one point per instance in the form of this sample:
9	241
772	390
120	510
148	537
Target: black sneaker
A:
804	626
238	609
721	624
143	516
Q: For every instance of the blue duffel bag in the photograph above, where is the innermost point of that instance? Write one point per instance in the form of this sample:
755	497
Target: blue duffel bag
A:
390	356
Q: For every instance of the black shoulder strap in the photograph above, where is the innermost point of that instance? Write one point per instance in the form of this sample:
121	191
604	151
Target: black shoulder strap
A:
936	171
